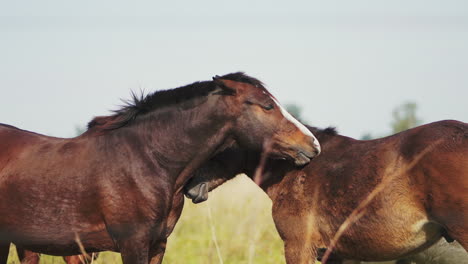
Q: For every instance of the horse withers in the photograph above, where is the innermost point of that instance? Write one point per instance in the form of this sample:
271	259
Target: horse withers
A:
425	198
119	185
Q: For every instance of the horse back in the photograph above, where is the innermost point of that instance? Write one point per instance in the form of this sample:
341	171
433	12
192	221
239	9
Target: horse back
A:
448	137
14	141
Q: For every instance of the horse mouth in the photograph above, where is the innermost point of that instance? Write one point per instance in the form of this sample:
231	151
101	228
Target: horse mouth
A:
198	193
302	159
299	158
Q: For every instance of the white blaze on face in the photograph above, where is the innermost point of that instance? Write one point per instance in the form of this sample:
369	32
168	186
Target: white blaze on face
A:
298	124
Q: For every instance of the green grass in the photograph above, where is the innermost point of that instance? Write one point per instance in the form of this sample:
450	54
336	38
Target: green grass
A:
240	222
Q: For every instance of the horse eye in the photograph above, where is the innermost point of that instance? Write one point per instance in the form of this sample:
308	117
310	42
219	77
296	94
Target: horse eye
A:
269	107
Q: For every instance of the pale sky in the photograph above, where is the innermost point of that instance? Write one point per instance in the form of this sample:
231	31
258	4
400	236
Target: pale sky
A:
347	64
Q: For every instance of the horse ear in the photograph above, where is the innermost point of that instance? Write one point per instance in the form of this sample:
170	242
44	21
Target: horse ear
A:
222	85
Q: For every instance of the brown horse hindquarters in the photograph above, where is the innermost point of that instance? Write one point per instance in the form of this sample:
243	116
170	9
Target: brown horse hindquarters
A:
446	174
439	180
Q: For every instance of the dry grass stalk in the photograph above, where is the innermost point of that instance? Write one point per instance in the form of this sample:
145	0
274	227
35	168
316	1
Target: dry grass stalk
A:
361	209
84	254
258	176
93	256
213	235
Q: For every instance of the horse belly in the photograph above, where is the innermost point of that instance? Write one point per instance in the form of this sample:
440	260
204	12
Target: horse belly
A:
53	228
390	242
61	242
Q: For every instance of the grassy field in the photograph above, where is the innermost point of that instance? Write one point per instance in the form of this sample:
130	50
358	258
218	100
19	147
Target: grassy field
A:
237	216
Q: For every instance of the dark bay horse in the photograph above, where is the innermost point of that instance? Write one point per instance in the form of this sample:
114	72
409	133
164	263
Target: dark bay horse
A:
416	208
115	186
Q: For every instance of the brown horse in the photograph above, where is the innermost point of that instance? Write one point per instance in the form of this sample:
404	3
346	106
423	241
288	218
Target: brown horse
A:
115	186
426	199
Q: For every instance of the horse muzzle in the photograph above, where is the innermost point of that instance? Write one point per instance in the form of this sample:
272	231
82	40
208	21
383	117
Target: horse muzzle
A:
304	150
303	157
197	193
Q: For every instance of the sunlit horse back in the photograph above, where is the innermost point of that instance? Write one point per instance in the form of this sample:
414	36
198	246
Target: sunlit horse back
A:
114	187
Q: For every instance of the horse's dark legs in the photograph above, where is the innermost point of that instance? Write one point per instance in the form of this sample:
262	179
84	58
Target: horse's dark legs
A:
30	258
134	250
26	256
77	259
157	250
4	251
157	253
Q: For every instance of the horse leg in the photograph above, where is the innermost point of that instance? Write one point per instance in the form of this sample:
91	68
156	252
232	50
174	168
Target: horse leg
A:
75	259
157	253
158	249
4	251
26	256
134	250
300	240
298	252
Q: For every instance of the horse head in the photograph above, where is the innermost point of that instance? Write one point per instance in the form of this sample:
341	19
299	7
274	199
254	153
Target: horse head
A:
262	123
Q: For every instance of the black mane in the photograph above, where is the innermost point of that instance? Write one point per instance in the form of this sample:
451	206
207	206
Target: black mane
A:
318	132
140	105
242	77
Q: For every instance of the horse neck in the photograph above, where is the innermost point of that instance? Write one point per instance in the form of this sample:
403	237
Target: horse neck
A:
177	140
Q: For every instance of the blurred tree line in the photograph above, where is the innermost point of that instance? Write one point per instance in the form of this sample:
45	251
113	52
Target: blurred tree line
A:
79	130
404	118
